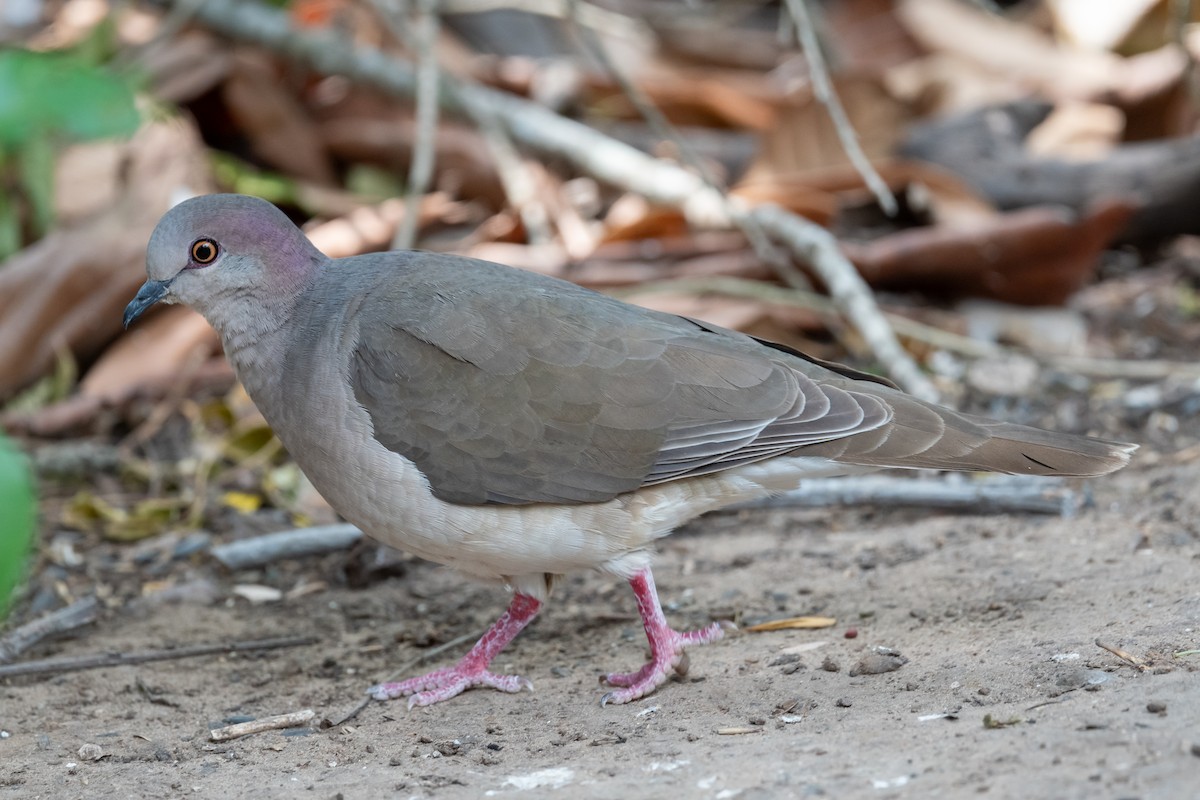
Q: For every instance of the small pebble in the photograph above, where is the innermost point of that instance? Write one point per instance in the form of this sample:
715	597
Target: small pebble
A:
877	664
1156	707
985	691
829	665
1196	749
844	702
851	633
91	752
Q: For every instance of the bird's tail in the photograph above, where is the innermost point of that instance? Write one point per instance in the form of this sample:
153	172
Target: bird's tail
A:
920	435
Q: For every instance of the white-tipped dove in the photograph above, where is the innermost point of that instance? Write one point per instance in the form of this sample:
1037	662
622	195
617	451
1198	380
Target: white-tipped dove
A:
517	427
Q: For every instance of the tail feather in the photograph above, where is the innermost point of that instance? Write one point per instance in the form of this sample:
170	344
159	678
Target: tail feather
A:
921	435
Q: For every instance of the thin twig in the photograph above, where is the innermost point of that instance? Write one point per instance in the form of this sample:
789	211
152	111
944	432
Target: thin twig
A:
850	293
277	722
52	666
1127	657
824	92
403	670
80	613
424	150
662	127
519	184
272	547
589	150
519	187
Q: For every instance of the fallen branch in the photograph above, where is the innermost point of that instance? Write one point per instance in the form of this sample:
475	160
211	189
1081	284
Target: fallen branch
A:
298	543
277	722
589	150
80	613
990	496
53	666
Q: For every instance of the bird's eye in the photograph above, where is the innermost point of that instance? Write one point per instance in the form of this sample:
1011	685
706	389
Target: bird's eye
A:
204	251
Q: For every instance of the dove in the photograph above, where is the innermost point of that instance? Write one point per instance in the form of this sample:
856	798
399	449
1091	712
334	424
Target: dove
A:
517	427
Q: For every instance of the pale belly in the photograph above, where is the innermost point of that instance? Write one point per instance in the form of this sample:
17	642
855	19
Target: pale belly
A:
385	495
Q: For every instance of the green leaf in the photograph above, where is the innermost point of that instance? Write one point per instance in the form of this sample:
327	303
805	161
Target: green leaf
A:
60	94
16	520
36	160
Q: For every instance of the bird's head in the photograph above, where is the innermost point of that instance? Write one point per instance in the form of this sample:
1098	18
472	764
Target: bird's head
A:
212	249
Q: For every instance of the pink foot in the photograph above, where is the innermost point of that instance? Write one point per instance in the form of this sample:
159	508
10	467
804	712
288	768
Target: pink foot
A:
666	646
472	669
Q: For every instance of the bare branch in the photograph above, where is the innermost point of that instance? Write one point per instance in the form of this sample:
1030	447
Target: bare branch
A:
51	666
824	92
80	613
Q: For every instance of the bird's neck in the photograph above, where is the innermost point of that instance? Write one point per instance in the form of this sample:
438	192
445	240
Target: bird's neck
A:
253	334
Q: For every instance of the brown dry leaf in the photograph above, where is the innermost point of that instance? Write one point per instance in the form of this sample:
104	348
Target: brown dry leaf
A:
686	93
793	193
793	623
947	198
706	96
1036	256
267	113
155	353
804	139
868	36
632	217
801	164
68	289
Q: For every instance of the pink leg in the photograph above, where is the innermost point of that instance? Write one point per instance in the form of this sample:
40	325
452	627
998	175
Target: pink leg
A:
666	646
472	669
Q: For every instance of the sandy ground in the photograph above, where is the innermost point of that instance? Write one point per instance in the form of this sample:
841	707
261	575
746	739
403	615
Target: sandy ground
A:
997	616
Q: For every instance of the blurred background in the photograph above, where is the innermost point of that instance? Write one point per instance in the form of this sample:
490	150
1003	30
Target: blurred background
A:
1016	182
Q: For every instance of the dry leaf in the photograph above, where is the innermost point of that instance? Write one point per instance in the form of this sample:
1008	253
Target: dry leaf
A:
69	288
156	353
1037	256
867	35
267	113
804	139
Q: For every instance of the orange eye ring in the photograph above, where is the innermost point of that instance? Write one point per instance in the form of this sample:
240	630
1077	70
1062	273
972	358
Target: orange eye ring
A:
204	251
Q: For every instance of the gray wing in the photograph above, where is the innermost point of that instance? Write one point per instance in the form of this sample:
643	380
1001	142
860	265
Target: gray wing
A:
508	387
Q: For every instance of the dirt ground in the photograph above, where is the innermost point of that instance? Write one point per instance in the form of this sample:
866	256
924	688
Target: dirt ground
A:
1004	694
